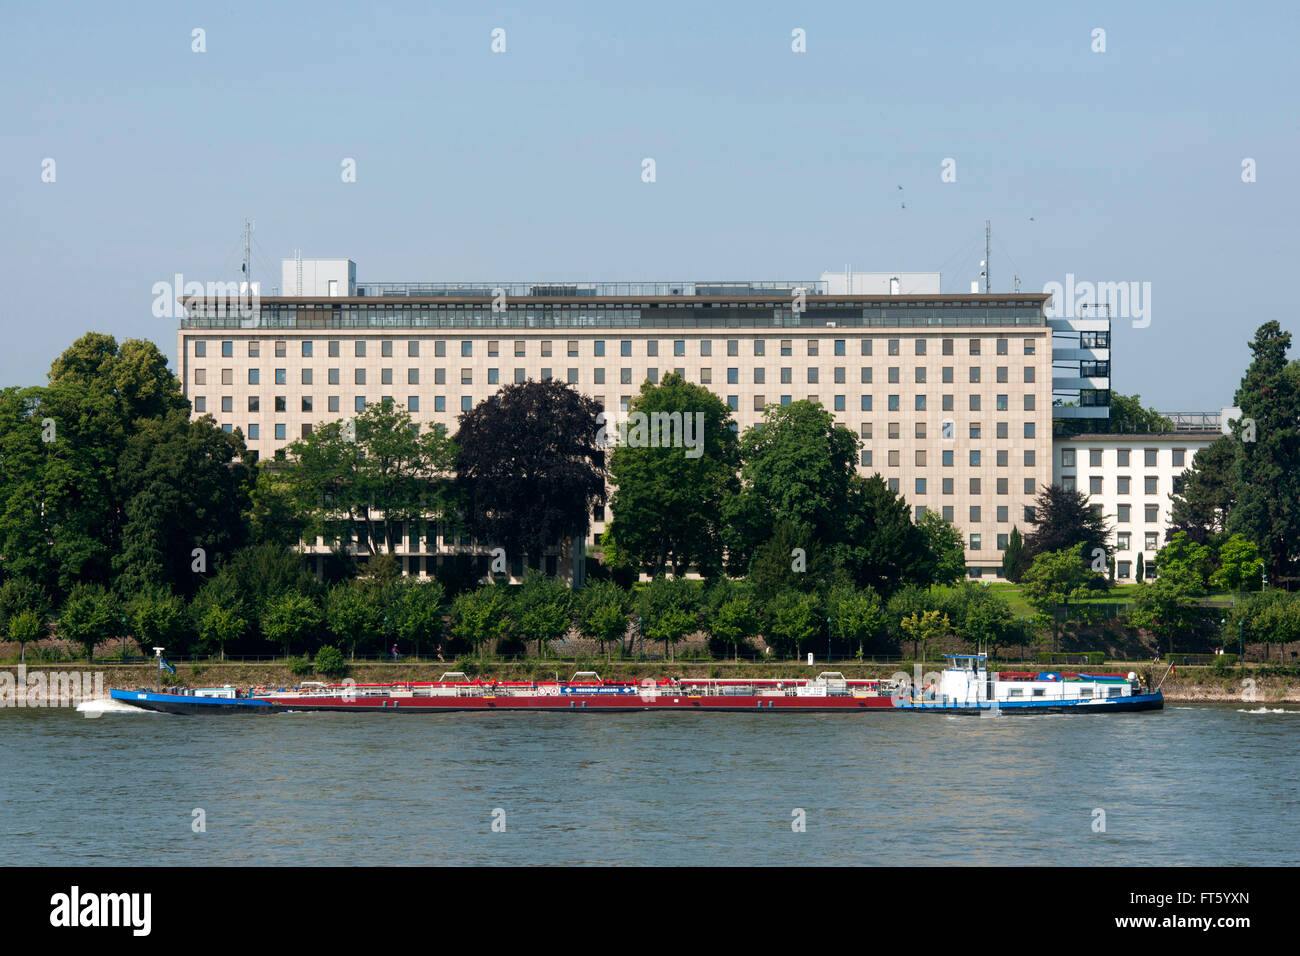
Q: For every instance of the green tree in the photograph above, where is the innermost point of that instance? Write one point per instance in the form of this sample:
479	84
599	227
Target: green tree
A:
856	615
925	628
602	611
91	614
221	625
1053	580
376	476
1167	606
1015	559
22	594
25	627
419	611
529	467
791	619
1268	486
354	614
158	618
735	621
1186	559
479	616
330	662
668	500
1209	491
291	617
945	547
542	610
1240	566
669	609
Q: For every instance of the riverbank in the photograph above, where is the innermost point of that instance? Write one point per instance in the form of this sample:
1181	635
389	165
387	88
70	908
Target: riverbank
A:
1187	684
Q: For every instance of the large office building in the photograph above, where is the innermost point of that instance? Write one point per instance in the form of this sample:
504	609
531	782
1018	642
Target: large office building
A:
950	395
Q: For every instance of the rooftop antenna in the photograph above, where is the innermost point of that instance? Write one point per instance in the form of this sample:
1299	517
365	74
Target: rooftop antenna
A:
247	267
297	255
988	246
1017	281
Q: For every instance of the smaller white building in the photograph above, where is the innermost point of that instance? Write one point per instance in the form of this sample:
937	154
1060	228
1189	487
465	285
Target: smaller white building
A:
1130	478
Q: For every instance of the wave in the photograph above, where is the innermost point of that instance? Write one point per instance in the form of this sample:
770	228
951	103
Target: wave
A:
105	705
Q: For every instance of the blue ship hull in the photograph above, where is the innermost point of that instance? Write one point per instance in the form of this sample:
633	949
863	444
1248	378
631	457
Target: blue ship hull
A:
1096	705
189	704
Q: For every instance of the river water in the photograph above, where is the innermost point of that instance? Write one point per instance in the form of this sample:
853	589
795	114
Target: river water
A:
1195	784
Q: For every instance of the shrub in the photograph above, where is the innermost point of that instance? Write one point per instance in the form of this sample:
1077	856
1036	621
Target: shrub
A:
301	666
330	663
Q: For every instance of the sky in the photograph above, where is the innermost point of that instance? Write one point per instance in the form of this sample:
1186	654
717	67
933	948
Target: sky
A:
1122	165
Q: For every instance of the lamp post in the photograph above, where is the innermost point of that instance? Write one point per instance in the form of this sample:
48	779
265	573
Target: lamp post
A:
1241	642
828	641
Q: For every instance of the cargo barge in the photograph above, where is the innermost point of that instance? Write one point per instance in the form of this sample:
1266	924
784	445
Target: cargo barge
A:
965	686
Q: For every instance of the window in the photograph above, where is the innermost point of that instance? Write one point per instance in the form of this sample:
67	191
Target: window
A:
1094	485
974	374
1151	541
466	403
227	376
947	403
974	514
359	348
974	544
439	403
920	429
599	346
974	486
546	375
866	376
1152	485
281	377
281	403
974	403
893	459
974	346
306	403
1180	455
760	346
866	403
1122	540
1125	569
893	403
281	432
893	375
733	402
1029	346
254	432
466	348
1029	429
519	376
1067	457
812	346
894	430
1002	403
333	403
254	376
839	346
1003	514
787	347
920	486
893	347
1150	457
625	347
920	403
866	346
573	376
651	348
1001	373
200	349
839	403
865	458
706	376
227	349
1003	540
1123	457
306	376
1002	346
598	376
254	403
1029	490
334	348
947	457
413	348
1152	514
759	402
1002	430
1029	457
1002	457
787	376
359	376
838	374
227	404
546	348
1029	373
974	430
1124	512
812	375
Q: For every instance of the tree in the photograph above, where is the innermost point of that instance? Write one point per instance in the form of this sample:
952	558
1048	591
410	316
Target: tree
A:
157	617
1063	519
25	627
797	467
376	472
1186	559
183	487
1053	580
792	559
221	625
1015	559
1168	605
354	615
19	595
542	610
529	466
419	607
1240	566
667	504
880	546
945	547
1209	492
602	610
1140	573
479	616
669	609
735	620
791	619
90	614
1268	472
925	628
291	617
856	615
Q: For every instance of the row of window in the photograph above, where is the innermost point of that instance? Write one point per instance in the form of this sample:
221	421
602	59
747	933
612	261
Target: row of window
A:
839	346
1123	456
786	373
1123	484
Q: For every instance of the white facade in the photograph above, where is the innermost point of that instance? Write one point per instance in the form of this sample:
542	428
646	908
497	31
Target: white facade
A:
1131	478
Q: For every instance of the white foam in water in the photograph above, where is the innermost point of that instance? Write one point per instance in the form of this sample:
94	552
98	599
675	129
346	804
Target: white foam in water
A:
106	705
1266	710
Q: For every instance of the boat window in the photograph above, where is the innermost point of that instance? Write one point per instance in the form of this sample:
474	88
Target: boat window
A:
1040	691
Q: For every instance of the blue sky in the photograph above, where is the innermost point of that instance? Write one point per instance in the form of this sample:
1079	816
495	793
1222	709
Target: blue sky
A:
1115	166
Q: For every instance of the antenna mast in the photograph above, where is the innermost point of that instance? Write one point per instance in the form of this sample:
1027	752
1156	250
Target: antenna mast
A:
988	247
248	255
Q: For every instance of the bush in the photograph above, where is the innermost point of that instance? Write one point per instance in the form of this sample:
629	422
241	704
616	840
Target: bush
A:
330	662
301	666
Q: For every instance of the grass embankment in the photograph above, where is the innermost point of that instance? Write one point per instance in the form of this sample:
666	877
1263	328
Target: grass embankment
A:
1272	684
